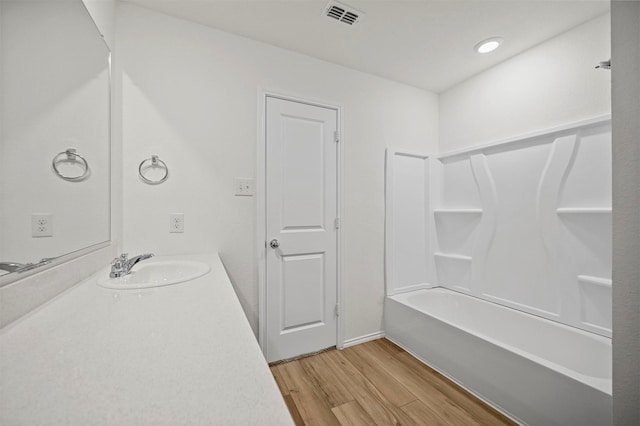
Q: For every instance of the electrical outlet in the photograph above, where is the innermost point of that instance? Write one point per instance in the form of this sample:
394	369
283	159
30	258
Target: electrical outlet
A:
176	223
244	186
41	225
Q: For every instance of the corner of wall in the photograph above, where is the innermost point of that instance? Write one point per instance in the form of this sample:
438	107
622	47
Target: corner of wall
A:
625	60
103	14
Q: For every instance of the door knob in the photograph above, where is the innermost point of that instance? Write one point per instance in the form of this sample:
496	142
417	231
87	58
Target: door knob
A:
274	244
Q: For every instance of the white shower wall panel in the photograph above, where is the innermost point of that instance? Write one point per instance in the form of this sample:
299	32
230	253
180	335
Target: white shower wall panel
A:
408	204
517	267
543	243
589	183
458	188
455	230
525	223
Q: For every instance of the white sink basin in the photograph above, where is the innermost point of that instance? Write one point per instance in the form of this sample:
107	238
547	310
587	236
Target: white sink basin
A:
159	273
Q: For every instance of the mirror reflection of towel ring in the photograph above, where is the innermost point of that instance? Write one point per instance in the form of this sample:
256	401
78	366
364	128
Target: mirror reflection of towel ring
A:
155	162
70	156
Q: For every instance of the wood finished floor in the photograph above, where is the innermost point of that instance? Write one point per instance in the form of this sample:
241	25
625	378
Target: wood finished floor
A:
376	383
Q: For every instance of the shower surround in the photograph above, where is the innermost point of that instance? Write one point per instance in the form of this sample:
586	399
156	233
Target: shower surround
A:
523	223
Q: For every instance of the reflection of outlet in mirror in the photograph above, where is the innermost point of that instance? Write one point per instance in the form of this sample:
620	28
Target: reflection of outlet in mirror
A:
41	225
244	186
176	223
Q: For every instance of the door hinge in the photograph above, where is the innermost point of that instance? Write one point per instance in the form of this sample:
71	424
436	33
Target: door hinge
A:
337	310
336	223
336	136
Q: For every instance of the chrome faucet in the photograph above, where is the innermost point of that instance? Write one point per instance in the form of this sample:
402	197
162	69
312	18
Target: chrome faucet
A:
122	265
23	267
11	266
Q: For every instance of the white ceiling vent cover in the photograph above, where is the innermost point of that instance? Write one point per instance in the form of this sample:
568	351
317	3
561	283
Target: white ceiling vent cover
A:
342	13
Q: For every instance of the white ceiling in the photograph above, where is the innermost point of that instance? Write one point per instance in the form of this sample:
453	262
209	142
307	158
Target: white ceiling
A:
424	43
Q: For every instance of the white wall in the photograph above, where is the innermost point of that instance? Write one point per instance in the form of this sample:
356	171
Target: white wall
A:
103	14
626	205
55	92
552	84
190	94
22	296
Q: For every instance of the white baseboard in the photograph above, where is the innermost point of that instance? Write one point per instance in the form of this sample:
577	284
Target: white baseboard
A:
362	339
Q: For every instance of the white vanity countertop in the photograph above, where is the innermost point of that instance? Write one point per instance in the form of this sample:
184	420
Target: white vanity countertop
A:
175	355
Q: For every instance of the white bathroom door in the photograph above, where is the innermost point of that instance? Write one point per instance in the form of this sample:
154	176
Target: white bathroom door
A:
301	228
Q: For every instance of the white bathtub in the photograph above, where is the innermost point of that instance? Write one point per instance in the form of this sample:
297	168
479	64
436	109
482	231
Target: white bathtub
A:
536	371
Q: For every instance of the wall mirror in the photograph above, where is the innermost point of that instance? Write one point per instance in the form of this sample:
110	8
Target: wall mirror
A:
54	99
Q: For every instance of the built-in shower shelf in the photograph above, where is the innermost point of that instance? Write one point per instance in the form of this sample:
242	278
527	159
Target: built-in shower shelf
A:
457	211
584	210
453	270
588	279
453	256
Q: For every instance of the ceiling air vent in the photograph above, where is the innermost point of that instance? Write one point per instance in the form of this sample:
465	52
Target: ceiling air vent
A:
342	13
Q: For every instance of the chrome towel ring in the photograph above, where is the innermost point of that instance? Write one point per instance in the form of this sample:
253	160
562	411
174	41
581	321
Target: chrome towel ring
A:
155	163
70	156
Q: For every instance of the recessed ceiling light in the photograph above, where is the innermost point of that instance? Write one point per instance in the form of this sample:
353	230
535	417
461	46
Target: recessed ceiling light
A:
488	45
